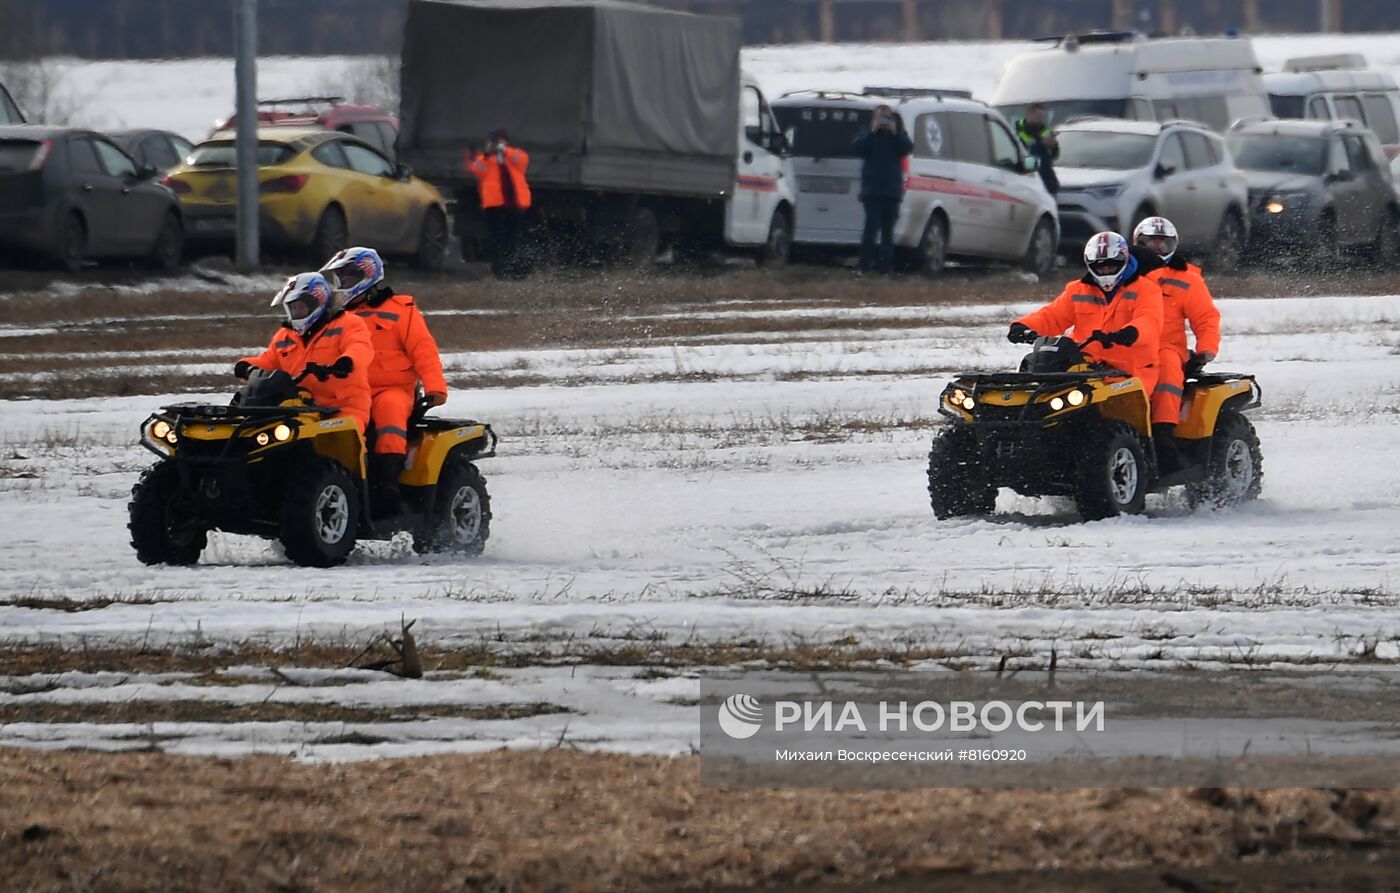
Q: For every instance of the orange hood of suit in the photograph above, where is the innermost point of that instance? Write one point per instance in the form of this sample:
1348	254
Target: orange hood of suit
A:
343	335
1083	307
489	170
404	350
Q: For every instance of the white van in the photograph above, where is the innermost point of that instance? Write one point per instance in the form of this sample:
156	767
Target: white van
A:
1123	74
1338	87
970	189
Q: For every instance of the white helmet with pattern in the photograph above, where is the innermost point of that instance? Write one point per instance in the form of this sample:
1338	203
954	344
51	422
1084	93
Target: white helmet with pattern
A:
1106	255
304	300
1158	235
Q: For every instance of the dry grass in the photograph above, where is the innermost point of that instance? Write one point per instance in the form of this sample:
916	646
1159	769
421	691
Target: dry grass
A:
562	820
143	711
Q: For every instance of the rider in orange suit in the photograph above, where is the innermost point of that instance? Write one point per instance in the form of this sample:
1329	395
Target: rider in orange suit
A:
1116	306
405	354
316	336
1185	298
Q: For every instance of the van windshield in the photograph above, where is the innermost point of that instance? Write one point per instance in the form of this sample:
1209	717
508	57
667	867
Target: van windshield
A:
1283	154
1060	111
1104	149
1285	105
822	132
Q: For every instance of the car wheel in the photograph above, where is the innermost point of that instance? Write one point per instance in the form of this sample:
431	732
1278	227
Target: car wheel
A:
169	249
432	241
1112	475
332	235
1040	256
778	249
320	516
460	521
72	242
163	525
932	252
1228	244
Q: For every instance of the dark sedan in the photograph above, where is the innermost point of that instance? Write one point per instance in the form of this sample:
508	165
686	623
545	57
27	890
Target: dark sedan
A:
1316	188
72	195
161	149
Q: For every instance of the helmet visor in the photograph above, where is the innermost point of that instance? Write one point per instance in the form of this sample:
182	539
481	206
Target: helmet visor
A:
1160	245
1109	266
346	277
301	307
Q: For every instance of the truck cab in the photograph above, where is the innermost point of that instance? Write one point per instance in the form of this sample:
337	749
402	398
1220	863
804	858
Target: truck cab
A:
761	211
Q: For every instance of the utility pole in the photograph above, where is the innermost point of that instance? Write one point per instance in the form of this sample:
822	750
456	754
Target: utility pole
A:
245	73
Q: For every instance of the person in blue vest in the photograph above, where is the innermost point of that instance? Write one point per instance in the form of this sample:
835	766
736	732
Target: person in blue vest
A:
882	149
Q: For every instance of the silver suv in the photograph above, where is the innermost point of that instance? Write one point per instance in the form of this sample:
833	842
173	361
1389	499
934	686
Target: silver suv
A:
1113	173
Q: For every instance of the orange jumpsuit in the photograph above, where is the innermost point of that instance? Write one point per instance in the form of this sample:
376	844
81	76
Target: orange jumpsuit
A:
1184	297
488	169
342	335
404	354
1083	307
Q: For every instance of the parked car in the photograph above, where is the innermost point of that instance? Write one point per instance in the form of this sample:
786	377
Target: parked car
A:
319	191
73	195
1338	87
370	123
161	149
1316	187
971	191
9	112
1124	74
1114	173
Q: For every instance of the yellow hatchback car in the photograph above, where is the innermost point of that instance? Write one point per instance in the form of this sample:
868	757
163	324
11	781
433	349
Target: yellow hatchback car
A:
319	191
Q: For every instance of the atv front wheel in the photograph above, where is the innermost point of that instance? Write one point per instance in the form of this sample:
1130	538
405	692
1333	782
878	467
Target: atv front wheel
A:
956	485
1235	468
163	531
1112	474
461	518
320	516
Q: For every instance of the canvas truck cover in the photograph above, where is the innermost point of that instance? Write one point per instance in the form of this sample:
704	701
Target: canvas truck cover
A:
603	95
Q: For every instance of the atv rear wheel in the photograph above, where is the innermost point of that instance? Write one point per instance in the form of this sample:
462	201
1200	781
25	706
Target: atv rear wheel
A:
1112	474
320	516
461	518
1235	467
163	531
956	485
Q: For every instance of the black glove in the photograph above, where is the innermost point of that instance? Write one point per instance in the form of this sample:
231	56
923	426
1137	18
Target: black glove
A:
243	369
341	368
320	372
1126	336
1021	334
1196	365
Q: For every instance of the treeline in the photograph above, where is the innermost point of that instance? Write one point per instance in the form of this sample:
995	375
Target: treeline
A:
163	29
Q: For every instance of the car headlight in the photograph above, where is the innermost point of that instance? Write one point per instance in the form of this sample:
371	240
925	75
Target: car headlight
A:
1281	202
1110	190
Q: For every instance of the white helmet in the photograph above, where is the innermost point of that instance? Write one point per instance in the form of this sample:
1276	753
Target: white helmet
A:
304	300
1106	256
1157	228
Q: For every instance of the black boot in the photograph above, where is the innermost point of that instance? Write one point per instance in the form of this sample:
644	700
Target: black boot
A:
1164	439
385	499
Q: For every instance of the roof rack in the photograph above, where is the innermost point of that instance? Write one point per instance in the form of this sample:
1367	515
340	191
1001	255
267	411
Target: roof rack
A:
917	92
824	94
303	100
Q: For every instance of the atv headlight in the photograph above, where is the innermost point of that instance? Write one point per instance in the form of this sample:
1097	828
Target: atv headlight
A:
962	399
1057	404
171	437
282	433
263	438
160	429
1075	398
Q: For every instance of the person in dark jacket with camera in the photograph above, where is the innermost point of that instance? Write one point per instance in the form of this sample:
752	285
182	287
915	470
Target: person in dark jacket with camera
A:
882	149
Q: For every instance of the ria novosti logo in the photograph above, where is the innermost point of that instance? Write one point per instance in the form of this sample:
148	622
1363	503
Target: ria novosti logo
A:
740	716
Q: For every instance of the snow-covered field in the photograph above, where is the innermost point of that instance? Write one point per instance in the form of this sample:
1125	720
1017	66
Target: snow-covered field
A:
771	489
188	96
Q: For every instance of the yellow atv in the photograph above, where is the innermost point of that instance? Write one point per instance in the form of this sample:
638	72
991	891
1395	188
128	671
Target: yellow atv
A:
275	465
1064	427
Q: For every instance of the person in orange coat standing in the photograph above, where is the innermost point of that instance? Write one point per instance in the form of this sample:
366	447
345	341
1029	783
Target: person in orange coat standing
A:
505	196
1185	298
405	354
1113	304
332	346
